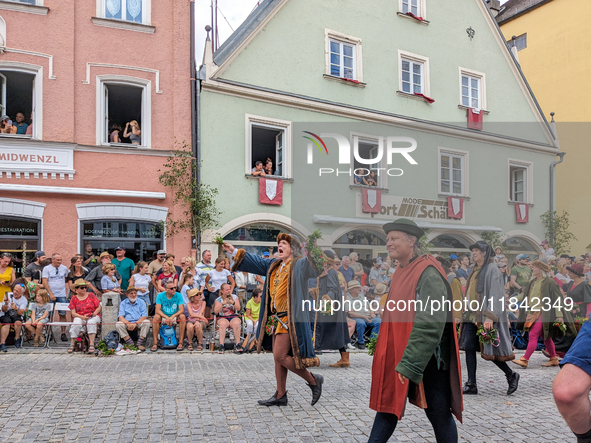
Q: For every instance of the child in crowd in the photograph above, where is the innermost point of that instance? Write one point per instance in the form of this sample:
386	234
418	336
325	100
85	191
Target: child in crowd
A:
40	316
196	322
141	281
186	285
253	309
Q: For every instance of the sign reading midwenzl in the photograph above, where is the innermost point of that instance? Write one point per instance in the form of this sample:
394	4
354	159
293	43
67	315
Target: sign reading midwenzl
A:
410	207
49	160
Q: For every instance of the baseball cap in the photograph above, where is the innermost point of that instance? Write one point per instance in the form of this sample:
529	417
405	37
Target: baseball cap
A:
453	257
119	248
39	254
4	117
161	252
266	254
501	265
521	257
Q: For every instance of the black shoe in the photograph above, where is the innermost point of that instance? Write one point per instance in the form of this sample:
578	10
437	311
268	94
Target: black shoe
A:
238	349
316	389
361	346
3	348
64	338
274	401
513	381
470	389
17	344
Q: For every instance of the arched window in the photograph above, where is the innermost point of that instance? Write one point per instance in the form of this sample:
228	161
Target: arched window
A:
514	246
368	244
446	244
256	238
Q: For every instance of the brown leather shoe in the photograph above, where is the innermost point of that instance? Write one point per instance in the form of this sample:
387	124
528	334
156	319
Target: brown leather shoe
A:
521	362
343	362
552	362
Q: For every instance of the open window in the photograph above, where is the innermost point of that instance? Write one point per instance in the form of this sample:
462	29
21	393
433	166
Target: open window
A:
520	181
123	100
17	101
269	140
368	149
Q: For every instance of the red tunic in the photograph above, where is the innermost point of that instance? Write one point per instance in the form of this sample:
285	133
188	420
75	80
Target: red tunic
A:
388	394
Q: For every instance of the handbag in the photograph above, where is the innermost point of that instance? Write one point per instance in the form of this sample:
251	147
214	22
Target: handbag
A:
530	319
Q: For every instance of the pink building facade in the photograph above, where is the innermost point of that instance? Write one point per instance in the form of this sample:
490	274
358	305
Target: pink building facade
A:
77	70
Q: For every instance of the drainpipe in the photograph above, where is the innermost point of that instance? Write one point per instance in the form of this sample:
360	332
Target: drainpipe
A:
194	104
552	173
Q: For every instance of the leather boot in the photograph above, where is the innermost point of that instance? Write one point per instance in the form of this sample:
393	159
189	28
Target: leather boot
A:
513	381
470	388
521	362
343	362
274	401
316	389
552	362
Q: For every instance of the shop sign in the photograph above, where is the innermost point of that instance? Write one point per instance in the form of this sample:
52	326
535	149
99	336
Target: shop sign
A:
420	209
18	228
37	160
140	231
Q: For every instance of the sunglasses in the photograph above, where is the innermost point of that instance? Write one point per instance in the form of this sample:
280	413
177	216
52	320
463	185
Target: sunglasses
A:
83	287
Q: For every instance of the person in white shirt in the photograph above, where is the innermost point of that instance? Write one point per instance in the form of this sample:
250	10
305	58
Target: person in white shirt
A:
54	280
13	308
548	251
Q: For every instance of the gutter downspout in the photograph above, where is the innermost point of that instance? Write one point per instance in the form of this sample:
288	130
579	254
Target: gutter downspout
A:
194	108
552	174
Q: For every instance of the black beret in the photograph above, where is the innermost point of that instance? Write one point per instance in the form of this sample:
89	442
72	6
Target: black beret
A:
404	225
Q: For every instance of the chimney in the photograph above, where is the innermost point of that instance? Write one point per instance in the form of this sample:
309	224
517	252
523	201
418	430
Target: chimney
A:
494	6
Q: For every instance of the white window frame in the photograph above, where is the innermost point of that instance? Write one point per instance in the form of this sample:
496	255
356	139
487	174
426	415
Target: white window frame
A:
37	104
348	40
529	179
271	123
415	58
355	138
124	80
422	7
146	11
480	76
464	156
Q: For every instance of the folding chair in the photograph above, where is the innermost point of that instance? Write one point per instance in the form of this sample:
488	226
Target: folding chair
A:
229	332
57	307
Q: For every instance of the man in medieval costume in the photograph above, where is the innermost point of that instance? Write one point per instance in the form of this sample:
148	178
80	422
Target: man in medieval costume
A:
285	289
421	346
486	290
331	330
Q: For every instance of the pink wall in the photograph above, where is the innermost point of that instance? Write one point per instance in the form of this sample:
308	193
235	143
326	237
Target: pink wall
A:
70	109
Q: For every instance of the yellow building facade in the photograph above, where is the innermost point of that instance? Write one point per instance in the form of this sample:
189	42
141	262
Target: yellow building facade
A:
554	49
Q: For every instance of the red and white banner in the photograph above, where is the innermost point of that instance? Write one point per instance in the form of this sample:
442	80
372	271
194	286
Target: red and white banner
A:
455	207
270	191
522	211
372	200
475	119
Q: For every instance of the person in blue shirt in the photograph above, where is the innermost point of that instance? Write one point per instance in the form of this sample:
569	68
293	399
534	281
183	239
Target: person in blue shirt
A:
464	271
346	270
169	310
125	266
133	316
21	126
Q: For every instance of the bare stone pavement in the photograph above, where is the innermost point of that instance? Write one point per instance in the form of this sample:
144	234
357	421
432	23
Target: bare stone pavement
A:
170	396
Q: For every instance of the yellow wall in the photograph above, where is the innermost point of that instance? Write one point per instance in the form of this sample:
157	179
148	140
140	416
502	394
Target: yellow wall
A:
557	65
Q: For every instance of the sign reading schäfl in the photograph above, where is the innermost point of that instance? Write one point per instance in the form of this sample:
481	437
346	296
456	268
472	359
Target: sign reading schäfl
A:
421	209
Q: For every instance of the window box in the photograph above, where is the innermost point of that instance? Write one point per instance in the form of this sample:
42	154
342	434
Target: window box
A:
122	24
345	81
343	57
414	19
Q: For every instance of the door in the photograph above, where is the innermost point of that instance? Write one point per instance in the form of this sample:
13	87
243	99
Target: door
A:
3	94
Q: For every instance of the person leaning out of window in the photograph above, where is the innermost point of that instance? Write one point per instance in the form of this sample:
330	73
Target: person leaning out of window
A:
132	130
114	134
258	169
6	126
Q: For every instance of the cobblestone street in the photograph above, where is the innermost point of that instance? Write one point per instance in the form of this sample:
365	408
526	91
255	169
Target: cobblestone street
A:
170	396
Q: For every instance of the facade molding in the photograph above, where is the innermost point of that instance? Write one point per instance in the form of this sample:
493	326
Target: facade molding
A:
156	72
131	211
249	92
49	57
122	24
260	217
471	237
520	233
21	208
81	191
37	9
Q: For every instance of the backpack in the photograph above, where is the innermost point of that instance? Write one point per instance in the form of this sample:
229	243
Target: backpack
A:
167	338
112	340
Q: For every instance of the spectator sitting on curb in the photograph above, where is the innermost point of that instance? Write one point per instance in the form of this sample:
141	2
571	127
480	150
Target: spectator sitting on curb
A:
169	309
362	317
133	315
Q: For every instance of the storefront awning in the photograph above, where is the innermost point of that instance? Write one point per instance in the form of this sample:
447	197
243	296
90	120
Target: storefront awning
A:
328	219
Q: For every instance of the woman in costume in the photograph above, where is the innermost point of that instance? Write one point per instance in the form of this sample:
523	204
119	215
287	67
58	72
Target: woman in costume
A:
538	317
285	289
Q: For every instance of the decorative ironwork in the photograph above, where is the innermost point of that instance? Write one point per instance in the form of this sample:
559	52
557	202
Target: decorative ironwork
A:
470	32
